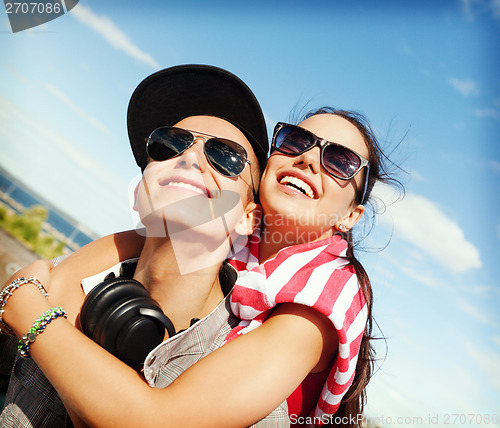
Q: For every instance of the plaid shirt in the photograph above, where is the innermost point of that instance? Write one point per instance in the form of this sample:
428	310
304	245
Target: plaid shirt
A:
32	402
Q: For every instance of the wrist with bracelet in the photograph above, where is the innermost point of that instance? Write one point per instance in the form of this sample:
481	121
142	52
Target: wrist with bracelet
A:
38	327
7	292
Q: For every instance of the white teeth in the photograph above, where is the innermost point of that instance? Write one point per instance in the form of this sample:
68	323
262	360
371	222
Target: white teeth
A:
186	186
299	184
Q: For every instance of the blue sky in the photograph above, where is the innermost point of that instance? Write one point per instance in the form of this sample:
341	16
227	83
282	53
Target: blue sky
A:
426	76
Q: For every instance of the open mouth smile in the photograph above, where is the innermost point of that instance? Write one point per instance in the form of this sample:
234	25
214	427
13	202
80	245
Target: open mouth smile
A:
298	184
185	185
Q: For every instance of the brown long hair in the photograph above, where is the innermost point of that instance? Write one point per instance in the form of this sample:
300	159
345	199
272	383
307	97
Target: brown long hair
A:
353	402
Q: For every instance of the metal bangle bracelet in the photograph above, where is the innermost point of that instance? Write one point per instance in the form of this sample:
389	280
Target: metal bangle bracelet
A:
8	291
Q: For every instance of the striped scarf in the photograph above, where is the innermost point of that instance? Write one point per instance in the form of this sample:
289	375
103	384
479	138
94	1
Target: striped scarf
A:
316	274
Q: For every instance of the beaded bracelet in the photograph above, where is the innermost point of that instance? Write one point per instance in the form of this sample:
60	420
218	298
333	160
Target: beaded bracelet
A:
7	292
38	327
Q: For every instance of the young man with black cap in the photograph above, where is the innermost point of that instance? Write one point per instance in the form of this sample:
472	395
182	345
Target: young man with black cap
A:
201	109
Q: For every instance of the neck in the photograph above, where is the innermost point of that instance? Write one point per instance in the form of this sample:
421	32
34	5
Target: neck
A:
278	233
183	294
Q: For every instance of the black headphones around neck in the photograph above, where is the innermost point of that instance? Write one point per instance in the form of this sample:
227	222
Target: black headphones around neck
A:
120	315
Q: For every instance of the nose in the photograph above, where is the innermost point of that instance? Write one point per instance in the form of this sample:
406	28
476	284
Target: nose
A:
310	160
194	157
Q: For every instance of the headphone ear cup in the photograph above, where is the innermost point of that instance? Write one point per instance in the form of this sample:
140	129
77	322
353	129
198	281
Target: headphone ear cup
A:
120	315
128	334
105	295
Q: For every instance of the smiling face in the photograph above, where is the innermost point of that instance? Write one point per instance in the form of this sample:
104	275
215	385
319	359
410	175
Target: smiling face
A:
300	196
186	190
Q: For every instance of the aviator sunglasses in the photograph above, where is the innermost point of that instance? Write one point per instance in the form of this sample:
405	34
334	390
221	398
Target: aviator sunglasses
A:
337	160
227	157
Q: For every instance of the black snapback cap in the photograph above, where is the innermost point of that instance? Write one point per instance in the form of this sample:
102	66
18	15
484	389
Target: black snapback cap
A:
170	95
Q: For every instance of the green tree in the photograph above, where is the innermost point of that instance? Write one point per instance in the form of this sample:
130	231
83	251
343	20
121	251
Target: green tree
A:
27	227
3	214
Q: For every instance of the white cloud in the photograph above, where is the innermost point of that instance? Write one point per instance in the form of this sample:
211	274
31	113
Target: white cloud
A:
465	87
488	112
496	340
495	8
80	112
488	361
416	176
385	276
477	313
106	28
76	169
472	8
421	222
469	8
422	276
426	382
405	49
17	74
479	289
35	85
495	165
57	141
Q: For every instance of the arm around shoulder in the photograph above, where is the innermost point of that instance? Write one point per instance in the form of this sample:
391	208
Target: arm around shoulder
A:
66	277
238	384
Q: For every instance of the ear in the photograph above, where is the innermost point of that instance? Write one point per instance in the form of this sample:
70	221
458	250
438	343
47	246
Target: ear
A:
250	219
136	190
352	217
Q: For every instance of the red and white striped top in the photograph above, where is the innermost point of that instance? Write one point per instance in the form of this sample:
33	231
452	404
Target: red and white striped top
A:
317	274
